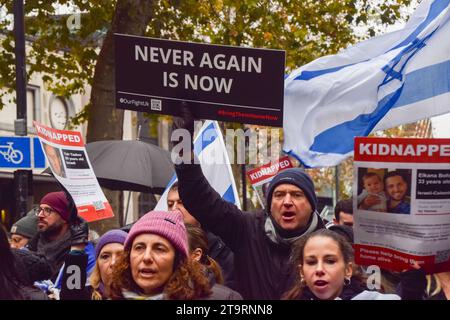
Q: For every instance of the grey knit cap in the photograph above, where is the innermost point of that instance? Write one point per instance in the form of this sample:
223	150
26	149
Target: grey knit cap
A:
26	226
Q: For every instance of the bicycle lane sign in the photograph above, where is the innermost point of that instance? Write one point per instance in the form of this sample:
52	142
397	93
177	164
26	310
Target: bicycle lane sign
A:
15	152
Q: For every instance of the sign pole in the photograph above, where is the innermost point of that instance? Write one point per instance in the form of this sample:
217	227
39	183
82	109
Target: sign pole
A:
22	178
244	187
336	183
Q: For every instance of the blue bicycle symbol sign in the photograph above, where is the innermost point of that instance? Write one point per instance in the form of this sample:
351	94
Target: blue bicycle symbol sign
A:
10	154
15	152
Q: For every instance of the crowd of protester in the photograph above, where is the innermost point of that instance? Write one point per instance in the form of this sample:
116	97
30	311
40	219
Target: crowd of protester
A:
204	247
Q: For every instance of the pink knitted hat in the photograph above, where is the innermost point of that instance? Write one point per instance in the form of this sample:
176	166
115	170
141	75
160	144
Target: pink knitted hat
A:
169	225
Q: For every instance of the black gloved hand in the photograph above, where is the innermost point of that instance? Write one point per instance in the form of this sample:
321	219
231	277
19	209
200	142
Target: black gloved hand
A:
185	120
412	284
72	208
79	232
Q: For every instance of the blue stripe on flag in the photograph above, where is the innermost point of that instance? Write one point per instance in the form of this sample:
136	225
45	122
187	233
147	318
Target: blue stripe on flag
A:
435	9
401	59
229	195
425	83
419	85
203	141
172	181
308	75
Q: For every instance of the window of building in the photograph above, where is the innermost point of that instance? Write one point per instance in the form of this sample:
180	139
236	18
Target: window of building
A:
9	112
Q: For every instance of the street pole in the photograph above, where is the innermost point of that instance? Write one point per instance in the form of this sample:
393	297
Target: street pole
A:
244	187
336	183
22	178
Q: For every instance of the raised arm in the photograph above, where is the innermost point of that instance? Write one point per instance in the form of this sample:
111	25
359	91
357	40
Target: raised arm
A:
206	205
199	198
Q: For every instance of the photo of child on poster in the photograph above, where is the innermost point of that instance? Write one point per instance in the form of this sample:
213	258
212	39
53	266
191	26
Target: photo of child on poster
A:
384	190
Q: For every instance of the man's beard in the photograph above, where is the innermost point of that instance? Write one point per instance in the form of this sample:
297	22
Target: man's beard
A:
52	230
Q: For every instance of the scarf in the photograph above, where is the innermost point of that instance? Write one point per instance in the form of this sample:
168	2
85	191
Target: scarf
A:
130	295
55	250
348	291
280	236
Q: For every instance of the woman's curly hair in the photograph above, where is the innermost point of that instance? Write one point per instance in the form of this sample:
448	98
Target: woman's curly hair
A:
187	282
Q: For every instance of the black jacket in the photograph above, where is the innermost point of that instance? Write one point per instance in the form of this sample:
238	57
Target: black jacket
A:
262	267
223	255
54	252
220	292
31	266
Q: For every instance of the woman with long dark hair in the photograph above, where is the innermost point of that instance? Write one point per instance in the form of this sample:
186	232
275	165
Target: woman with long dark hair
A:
325	270
198	251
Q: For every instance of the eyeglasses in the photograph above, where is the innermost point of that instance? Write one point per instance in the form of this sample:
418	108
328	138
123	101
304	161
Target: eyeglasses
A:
46	211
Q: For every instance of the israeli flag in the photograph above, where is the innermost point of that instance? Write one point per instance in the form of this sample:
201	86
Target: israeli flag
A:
209	148
386	81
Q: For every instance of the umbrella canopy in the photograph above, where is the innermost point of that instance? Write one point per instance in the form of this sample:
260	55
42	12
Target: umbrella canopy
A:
130	165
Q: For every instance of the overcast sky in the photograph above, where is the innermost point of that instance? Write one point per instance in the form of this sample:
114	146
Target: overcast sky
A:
441	126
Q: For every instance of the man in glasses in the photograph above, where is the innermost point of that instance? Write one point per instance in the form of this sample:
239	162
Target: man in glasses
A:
53	219
58	230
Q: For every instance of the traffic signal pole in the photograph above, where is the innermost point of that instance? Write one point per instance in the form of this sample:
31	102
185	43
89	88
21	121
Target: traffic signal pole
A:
22	178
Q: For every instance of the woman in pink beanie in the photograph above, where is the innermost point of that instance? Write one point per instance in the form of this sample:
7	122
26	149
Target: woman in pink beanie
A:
155	263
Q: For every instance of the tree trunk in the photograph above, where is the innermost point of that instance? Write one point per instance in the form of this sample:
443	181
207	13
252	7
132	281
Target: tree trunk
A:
105	121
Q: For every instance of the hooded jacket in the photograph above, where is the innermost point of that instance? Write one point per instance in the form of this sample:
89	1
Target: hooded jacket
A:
261	261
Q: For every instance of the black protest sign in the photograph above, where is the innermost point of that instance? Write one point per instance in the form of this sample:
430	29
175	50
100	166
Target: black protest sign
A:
221	82
73	284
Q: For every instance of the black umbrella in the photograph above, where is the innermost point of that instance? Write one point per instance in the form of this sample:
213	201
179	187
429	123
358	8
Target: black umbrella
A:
130	165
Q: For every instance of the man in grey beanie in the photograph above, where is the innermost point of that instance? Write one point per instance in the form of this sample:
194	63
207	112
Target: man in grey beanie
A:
23	230
261	241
